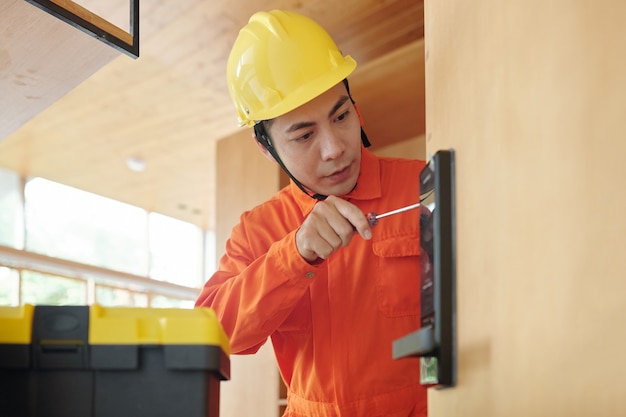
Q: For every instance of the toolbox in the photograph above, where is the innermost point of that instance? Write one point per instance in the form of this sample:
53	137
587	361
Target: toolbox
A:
94	361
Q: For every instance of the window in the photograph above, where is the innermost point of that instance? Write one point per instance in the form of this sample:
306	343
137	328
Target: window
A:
11	224
120	297
9	287
169	302
67	223
176	251
47	289
65	246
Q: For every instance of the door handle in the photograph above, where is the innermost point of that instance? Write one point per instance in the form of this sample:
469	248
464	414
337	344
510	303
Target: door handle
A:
418	343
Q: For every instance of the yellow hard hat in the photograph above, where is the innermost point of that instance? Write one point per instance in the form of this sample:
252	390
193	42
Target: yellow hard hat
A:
280	61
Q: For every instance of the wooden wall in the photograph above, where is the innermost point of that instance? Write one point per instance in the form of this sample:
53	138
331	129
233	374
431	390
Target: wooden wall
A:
532	95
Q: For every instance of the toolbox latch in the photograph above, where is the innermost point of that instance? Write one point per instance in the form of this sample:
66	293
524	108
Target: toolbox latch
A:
60	337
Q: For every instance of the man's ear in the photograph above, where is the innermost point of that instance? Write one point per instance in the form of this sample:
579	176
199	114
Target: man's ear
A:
263	149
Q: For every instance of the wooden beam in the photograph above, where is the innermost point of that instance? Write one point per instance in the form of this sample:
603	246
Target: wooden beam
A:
390	93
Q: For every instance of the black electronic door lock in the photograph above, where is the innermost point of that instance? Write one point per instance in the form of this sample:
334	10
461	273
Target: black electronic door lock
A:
435	341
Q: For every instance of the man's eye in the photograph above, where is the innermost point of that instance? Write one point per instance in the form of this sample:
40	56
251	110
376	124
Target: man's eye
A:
304	137
343	115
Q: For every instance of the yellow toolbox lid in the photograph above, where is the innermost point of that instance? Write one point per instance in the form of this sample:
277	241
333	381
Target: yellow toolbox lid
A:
160	326
16	324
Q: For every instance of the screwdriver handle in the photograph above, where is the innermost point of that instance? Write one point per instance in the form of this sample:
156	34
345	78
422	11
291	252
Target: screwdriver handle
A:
371	218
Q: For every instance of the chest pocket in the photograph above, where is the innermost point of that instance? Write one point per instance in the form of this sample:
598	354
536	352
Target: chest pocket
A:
398	275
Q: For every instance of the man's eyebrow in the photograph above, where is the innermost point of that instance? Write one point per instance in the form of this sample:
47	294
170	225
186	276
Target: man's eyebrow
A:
338	105
300	125
342	100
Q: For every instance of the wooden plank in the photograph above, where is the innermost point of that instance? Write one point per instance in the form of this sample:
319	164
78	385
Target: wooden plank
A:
532	95
95	20
94	25
42	59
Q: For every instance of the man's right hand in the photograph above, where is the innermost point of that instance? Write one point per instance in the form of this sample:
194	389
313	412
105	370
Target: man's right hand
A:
331	225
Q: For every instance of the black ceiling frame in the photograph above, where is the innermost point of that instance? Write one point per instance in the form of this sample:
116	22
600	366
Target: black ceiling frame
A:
130	49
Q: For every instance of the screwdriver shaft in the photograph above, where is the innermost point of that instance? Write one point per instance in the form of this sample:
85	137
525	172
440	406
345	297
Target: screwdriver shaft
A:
372	217
400	210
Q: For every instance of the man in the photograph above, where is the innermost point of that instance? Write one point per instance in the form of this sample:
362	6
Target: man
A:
305	268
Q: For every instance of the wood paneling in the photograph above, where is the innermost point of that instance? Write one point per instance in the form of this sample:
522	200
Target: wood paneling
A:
170	106
41	59
532	97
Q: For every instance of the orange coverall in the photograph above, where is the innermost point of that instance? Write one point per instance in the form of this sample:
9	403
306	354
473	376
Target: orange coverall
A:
332	324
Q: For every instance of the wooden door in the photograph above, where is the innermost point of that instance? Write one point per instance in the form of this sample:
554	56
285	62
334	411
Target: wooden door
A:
532	96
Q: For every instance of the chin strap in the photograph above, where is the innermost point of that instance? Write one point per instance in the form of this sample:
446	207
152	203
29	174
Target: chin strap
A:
364	138
264	139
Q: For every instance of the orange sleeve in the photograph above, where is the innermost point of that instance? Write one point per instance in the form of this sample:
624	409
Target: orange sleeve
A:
253	294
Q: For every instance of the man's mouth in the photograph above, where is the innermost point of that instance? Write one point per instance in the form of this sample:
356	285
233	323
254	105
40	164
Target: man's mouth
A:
340	175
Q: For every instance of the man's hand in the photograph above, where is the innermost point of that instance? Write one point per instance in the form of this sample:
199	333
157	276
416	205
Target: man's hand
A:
331	225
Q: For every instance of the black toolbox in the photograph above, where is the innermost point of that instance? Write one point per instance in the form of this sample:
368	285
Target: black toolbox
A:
92	361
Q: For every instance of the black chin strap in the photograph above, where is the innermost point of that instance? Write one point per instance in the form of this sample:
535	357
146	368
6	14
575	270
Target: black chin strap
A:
264	139
364	139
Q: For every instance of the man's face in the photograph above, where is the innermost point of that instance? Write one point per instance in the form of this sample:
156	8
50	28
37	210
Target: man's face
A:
320	142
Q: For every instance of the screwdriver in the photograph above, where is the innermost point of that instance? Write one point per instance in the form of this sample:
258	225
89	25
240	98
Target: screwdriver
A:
373	218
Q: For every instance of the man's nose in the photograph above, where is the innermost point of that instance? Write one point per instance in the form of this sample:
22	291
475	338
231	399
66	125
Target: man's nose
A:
332	146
